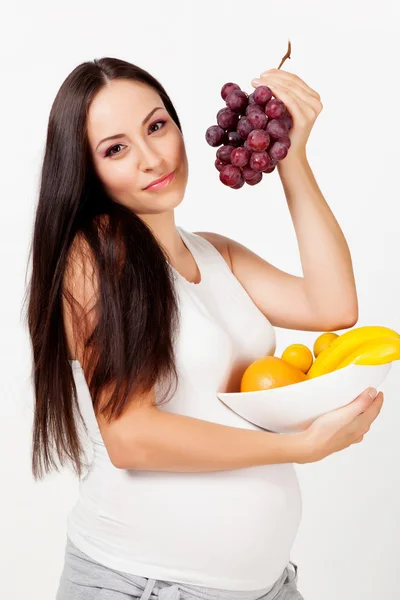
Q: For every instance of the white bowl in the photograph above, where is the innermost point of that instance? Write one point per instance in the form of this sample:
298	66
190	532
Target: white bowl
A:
292	408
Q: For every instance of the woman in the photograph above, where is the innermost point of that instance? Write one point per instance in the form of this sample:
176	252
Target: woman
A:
182	496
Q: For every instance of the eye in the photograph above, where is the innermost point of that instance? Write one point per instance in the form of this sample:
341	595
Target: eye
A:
109	153
156	123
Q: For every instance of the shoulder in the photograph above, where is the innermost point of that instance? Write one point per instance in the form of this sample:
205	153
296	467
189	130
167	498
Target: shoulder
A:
220	243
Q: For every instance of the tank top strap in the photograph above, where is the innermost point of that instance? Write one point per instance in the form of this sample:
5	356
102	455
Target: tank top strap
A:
205	254
216	275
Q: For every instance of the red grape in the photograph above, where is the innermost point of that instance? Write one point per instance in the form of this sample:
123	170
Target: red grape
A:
258	177
215	135
230	175
248	172
274	161
269	169
227	119
258	140
244	127
287	120
245	145
285	139
240	157
259	161
228	88
275	108
224	154
255	107
219	164
232	138
237	101
251	98
276	129
238	185
262	95
278	150
257	119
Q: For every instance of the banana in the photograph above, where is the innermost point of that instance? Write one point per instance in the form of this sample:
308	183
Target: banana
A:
374	352
331	357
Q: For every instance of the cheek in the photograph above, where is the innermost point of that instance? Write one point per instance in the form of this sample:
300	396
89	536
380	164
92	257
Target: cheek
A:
174	141
118	175
179	150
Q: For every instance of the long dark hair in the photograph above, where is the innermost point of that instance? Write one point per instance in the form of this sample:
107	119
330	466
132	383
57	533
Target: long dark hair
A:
132	343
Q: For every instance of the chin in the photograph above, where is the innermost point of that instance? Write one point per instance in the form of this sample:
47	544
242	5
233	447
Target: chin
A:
163	203
170	200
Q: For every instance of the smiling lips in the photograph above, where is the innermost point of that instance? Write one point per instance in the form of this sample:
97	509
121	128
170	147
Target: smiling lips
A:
161	183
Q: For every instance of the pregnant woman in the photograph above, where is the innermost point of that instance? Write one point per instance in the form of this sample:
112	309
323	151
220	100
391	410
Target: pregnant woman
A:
136	323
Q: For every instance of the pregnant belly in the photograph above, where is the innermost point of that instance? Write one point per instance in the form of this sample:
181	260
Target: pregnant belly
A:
238	524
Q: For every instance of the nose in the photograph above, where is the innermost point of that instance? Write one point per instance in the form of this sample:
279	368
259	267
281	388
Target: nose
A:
149	158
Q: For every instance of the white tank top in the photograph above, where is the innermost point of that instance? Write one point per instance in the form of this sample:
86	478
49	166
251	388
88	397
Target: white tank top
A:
232	530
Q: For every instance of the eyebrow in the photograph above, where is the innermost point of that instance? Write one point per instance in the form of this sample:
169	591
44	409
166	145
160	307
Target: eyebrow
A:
120	135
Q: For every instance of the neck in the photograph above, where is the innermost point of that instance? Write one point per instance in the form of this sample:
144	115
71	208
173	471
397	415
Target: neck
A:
164	229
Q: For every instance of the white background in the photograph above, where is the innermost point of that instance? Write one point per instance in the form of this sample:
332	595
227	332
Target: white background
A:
348	543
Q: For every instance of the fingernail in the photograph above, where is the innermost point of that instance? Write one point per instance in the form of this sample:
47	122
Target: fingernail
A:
372	393
255	81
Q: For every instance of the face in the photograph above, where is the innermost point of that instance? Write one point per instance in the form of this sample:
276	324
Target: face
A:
145	152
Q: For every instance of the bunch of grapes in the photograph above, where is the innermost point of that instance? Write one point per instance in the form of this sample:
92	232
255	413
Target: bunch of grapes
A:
252	131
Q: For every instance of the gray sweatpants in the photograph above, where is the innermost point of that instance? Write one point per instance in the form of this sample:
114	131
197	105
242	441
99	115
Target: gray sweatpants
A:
85	579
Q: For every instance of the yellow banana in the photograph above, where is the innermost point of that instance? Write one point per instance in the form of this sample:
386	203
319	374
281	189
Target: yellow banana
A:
329	358
374	352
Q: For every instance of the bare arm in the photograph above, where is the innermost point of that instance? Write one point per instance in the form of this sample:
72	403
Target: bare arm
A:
170	442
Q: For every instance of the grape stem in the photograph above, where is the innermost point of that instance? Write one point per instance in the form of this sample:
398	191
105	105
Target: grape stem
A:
287	55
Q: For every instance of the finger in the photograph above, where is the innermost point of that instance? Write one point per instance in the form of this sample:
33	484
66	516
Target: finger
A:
358	406
364	421
291	77
375	408
305	99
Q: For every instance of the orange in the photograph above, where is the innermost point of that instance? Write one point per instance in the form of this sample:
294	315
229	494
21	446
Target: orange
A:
269	372
323	341
298	355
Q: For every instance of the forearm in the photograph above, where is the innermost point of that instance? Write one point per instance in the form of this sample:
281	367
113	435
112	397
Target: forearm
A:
172	442
324	253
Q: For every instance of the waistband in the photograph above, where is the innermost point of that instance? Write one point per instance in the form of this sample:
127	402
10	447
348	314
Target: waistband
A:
145	588
178	591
